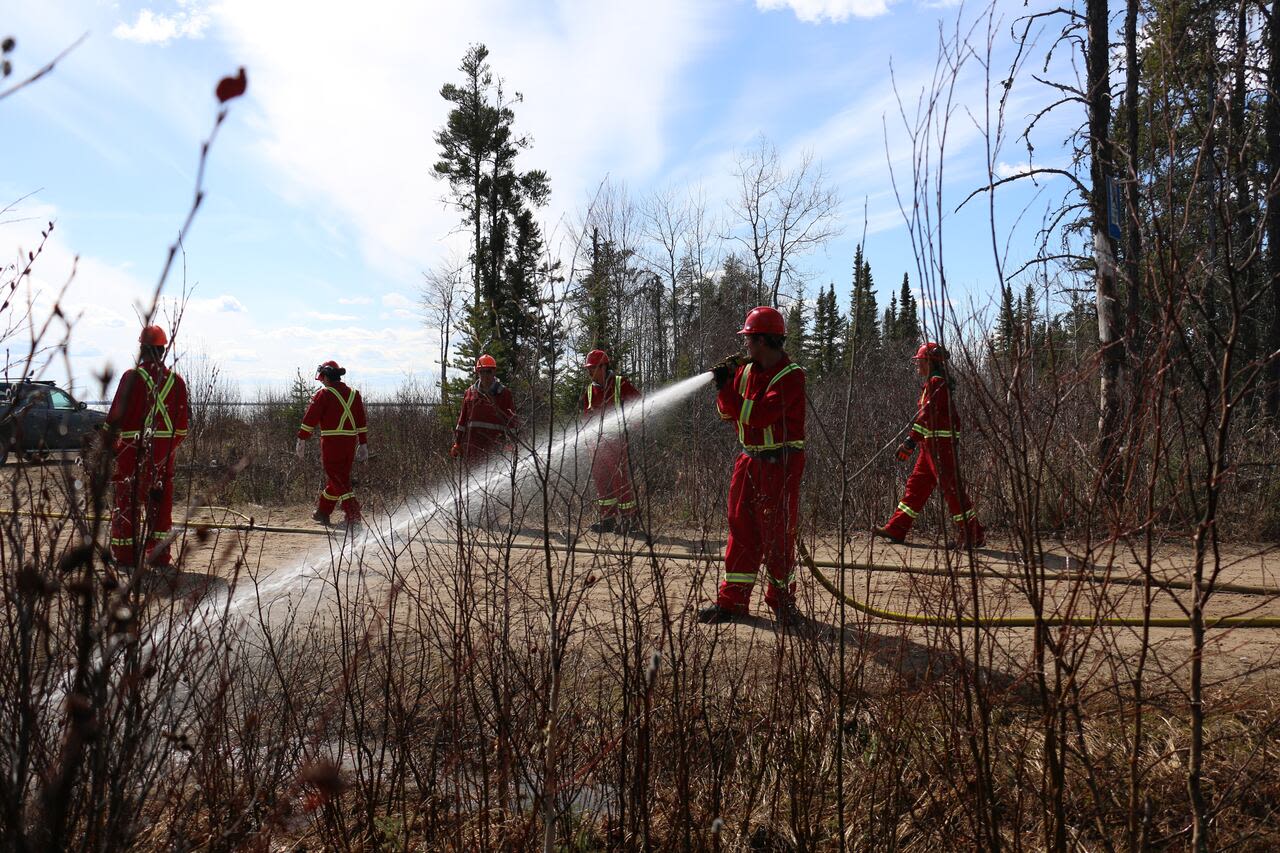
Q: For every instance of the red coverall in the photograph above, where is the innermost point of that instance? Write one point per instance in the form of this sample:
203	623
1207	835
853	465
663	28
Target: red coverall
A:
764	495
338	412
937	428
151	413
610	467
486	422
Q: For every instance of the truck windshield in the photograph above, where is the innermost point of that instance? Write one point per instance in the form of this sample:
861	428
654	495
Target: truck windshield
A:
61	399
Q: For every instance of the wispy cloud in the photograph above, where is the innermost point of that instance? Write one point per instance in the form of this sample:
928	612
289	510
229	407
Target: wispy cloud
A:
836	11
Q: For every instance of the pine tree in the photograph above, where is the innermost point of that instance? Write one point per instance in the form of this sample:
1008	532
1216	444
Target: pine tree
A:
798	343
907	328
478	148
890	322
864	321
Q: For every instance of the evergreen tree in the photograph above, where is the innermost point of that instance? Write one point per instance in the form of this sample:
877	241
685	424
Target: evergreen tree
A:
906	328
864	321
890	322
478	148
827	344
798	343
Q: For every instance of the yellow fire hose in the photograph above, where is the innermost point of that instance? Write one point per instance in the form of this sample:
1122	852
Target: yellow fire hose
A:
815	568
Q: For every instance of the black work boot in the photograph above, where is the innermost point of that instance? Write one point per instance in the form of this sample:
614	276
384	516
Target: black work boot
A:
320	517
631	525
608	524
788	616
714	614
883	533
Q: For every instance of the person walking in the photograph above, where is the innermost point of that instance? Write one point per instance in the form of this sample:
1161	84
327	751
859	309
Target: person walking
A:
937	427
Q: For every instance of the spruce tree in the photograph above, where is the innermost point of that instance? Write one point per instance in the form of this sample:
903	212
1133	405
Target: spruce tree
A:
907	328
864	320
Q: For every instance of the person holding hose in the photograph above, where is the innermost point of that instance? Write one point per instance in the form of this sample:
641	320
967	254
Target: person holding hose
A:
338	413
938	429
763	396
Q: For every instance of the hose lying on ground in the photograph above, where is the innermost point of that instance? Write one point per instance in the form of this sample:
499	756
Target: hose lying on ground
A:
815	568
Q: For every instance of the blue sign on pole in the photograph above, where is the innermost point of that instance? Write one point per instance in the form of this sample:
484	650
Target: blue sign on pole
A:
1115	208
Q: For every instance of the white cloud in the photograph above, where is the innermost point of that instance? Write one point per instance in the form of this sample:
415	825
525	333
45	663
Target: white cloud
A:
836	11
154	28
354	300
328	318
355	138
1009	170
105	302
396	300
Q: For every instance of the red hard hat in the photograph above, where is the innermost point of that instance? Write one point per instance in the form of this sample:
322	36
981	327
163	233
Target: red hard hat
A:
329	364
763	321
930	351
488	361
153	336
597	357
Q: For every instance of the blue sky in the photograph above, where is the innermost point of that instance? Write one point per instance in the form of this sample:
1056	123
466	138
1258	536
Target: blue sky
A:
321	213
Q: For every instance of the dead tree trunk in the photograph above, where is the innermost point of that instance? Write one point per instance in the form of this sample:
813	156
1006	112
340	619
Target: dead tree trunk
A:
1273	214
1110	323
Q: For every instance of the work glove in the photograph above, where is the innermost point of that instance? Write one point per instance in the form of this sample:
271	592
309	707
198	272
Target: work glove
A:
723	370
905	449
362	453
455	451
300	448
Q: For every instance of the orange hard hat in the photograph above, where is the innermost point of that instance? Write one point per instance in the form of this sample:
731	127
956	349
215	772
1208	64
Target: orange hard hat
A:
488	361
597	357
153	336
929	351
763	321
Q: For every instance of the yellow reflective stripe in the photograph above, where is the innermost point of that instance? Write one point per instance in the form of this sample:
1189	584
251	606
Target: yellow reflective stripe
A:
782	584
924	433
160	534
617	390
325	494
738	577
347	496
133	433
306	428
115	541
959	518
908	510
945	433
606	501
626	504
745	415
346	416
158	407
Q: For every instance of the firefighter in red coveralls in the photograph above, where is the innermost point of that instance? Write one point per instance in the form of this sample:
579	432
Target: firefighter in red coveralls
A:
764	397
938	429
487	420
338	413
149	416
607	393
